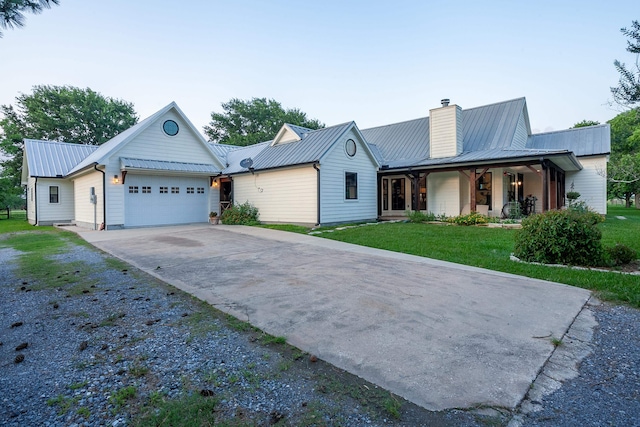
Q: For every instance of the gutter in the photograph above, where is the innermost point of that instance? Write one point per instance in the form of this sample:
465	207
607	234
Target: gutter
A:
315	166
104	197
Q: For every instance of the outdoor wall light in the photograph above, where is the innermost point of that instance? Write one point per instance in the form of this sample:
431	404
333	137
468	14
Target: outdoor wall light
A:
115	179
214	183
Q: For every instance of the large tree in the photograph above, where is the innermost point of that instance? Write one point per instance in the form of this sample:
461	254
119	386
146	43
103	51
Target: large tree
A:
12	11
623	171
59	113
627	93
247	122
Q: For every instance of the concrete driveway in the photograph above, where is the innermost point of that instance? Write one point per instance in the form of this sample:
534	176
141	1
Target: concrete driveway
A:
439	334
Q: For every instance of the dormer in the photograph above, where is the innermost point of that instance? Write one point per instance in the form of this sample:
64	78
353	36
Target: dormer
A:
289	133
445	131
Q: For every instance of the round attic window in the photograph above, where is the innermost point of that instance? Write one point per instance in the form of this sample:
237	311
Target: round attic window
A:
170	128
350	147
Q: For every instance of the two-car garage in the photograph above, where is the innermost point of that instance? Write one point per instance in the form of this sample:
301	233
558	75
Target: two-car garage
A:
165	199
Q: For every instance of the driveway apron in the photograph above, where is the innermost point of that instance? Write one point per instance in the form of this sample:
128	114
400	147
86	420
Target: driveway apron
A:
439	334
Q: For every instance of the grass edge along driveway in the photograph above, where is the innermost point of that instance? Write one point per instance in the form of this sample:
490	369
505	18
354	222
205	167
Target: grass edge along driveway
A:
491	247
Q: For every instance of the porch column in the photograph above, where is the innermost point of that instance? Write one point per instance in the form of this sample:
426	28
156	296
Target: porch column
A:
472	190
545	186
416	191
379	179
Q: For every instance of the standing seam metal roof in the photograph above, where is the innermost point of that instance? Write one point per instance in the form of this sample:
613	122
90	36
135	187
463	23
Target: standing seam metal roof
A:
310	149
163	165
585	141
484	128
54	159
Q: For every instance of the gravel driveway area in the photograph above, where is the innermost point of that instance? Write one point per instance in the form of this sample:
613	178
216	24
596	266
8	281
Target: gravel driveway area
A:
110	343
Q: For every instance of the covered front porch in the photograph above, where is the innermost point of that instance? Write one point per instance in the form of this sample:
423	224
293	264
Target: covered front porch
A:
491	188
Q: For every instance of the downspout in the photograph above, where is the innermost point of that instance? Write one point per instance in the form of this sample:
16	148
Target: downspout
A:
35	201
315	166
104	198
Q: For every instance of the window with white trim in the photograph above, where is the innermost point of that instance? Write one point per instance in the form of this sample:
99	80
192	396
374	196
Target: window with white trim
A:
190	190
164	190
351	185
200	190
146	190
133	189
54	194
175	190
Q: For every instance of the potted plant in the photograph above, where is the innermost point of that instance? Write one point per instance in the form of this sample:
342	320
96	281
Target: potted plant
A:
213	217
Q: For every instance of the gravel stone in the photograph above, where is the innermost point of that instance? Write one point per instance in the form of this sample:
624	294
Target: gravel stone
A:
130	330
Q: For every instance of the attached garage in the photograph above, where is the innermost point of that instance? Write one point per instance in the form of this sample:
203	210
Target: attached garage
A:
161	200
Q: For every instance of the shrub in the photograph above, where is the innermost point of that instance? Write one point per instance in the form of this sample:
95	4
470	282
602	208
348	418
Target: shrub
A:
418	216
244	214
561	237
621	254
474	218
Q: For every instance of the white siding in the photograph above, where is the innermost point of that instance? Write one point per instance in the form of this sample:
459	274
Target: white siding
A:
84	209
282	195
465	197
590	182
445	131
334	207
49	213
31	201
214	200
443	193
153	144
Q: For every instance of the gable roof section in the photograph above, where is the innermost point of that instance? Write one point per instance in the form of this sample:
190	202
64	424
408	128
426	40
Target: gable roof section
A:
585	141
101	155
491	126
54	159
484	128
290	133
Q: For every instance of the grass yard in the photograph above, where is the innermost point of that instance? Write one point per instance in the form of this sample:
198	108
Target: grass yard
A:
490	248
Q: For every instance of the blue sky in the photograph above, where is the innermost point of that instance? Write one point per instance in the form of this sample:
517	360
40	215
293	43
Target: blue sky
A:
375	62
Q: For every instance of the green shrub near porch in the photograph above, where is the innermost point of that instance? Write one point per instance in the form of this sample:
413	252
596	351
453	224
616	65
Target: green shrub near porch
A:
244	214
561	237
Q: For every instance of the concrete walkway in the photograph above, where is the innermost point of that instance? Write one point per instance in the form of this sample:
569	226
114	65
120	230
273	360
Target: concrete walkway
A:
439	334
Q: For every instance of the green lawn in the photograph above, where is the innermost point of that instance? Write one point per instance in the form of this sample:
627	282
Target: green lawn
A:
490	248
17	222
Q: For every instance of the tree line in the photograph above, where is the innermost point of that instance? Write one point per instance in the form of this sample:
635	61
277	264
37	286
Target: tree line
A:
75	115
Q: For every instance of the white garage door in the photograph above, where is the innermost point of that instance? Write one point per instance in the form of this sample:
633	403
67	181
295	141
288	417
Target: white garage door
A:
162	200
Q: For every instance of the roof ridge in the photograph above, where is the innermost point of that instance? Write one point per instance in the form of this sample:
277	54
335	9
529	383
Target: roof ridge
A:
46	141
397	123
570	129
495	103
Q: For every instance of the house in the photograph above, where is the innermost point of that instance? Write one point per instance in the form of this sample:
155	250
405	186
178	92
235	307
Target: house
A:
161	171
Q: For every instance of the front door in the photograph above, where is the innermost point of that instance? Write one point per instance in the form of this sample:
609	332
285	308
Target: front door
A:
398	194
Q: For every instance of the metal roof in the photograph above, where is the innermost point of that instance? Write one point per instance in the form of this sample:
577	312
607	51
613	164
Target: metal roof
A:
483	128
54	159
127	163
309	149
491	126
234	157
299	130
493	155
221	150
405	140
585	141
